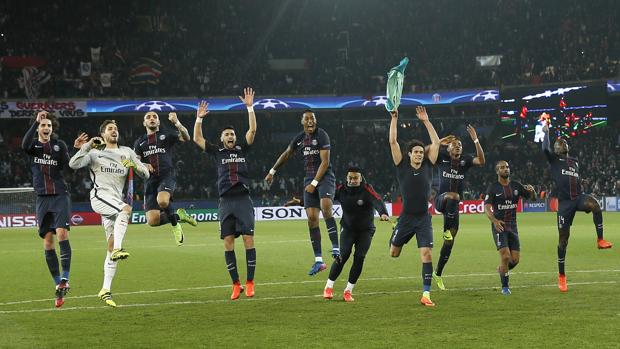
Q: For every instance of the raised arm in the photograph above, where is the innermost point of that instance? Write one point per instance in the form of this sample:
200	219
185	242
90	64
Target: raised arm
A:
530	191
201	113
248	100
397	155
546	143
479	160
282	159
433	149
28	140
82	157
183	133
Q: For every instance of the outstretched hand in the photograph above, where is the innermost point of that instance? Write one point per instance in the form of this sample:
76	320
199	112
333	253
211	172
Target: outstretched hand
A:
173	117
80	140
472	132
248	98
41	116
421	113
394	114
202	111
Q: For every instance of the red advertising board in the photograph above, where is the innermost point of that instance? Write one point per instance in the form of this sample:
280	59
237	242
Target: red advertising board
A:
465	207
30	220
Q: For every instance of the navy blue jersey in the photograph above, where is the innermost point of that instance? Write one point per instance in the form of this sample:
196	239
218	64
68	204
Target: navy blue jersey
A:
505	200
415	185
232	167
156	149
565	173
358	206
310	146
47	161
452	172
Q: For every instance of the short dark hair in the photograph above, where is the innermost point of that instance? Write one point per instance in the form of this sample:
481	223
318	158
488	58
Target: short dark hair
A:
497	163
307	111
413	143
354	169
227	127
105	124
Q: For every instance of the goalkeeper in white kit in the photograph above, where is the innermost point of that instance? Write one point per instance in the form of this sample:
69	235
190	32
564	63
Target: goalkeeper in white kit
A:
108	165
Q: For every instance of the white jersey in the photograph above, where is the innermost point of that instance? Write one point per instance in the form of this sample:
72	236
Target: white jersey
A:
106	169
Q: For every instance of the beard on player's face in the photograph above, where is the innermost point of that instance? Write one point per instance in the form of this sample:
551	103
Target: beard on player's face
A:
229	139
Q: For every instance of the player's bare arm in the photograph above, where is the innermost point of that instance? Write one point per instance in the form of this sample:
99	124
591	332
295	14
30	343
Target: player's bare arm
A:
499	225
530	189
433	149
324	154
201	113
479	160
183	133
248	100
282	159
397	155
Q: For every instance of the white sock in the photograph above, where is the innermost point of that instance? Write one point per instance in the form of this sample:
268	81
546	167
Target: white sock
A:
109	270
329	284
349	287
120	227
318	259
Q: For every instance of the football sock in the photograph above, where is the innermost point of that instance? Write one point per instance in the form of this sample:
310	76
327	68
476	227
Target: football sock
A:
250	258
231	265
349	287
65	258
503	278
109	270
598	223
335	270
427	275
120	227
52	265
332	231
444	256
172	217
330	283
561	258
315	239
450	214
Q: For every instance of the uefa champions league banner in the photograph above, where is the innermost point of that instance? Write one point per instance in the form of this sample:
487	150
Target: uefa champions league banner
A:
292	103
613	86
29	109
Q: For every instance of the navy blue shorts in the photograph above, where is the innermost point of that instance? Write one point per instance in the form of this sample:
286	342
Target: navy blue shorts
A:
409	225
153	186
53	211
325	189
567	209
236	214
508	239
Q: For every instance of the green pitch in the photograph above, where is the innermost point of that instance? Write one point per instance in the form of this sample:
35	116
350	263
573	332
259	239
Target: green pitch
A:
171	296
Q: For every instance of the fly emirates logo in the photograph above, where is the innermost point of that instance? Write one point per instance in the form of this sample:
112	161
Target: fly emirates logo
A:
47	160
234	158
310	151
570	172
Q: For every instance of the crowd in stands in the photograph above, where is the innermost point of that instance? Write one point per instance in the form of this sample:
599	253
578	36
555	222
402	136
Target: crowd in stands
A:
209	48
358	138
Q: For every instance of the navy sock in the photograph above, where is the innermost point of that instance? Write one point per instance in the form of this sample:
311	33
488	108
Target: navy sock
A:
504	278
315	239
332	231
427	275
65	258
52	265
250	258
561	258
231	264
511	265
598	223
172	217
444	256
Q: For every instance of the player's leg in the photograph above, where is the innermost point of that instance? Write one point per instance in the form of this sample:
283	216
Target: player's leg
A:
163	201
346	244
503	269
62	218
424	235
250	260
120	228
515	247
244	209
154	216
588	204
402	233
566	213
450	213
326	190
230	257
312	204
362	245
109	265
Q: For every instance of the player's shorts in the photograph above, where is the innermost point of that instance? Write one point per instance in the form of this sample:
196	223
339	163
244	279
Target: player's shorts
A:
53	211
106	205
157	184
236	214
567	209
508	239
361	239
409	225
325	189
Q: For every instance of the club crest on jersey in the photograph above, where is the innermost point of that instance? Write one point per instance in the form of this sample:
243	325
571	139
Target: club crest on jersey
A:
162	137
360	202
516	192
56	147
462	162
315	142
486	197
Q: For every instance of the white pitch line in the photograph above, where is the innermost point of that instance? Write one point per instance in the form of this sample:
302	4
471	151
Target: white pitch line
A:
279	283
144	305
171	245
